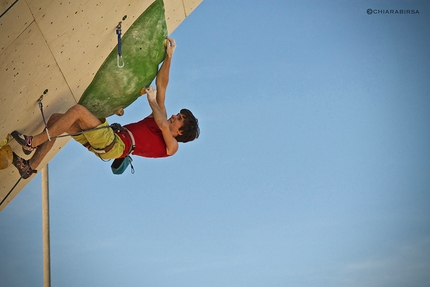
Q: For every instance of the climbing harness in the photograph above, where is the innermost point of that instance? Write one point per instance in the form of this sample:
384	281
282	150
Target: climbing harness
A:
101	150
119	165
117	128
119	60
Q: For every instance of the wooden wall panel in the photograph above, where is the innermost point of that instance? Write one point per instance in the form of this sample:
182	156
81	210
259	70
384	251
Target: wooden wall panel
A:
16	18
190	5
177	11
81	34
174	14
27	69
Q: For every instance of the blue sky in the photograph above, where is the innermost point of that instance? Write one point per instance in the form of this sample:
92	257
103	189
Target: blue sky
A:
312	168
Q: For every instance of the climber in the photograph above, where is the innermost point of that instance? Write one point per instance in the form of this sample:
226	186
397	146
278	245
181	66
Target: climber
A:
154	136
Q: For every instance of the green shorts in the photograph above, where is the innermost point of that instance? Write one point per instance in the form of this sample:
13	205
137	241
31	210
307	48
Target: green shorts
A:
100	139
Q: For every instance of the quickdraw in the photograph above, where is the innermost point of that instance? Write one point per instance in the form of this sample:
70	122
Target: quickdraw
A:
119	60
39	101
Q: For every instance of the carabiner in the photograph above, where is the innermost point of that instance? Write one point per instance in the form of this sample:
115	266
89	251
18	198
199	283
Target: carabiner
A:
119	61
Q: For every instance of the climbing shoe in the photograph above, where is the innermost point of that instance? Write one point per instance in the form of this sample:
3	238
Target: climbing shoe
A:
23	166
24	141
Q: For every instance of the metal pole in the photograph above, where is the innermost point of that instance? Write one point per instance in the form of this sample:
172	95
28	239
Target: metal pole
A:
45	228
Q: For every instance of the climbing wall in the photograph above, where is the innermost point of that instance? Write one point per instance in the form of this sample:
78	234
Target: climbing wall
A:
58	46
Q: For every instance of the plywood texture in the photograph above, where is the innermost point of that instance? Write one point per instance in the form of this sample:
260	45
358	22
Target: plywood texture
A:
176	11
16	18
57	45
27	68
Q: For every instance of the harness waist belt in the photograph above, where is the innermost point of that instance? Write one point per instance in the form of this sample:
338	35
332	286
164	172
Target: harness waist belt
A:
133	143
126	134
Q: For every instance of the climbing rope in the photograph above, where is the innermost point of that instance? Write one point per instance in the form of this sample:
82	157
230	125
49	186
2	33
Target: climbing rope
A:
115	126
21	177
39	101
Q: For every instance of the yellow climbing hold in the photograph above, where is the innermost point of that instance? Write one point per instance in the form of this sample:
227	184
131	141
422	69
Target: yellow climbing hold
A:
6	156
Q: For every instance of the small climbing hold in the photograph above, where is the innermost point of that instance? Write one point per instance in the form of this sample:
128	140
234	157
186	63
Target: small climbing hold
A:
119	112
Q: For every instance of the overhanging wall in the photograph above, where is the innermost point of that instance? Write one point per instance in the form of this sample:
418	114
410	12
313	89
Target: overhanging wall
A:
58	45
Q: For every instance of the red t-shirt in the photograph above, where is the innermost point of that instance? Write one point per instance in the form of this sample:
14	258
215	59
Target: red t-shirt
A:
148	139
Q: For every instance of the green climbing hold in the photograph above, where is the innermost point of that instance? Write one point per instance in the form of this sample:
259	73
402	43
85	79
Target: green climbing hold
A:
143	50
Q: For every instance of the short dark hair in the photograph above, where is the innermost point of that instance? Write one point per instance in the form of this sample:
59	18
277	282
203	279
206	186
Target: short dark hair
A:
190	129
